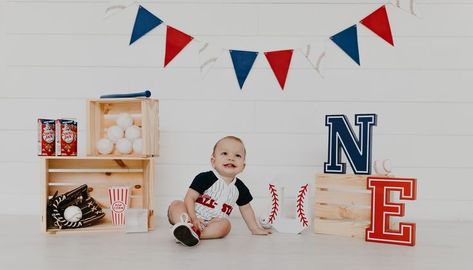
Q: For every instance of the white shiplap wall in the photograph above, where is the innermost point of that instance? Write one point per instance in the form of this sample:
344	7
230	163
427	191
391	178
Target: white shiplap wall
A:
56	54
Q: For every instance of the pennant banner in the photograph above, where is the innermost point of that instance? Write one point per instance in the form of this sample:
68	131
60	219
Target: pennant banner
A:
378	22
347	40
279	62
175	42
242	63
145	21
208	55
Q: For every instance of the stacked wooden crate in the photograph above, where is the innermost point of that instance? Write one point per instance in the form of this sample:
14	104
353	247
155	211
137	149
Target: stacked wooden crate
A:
342	205
100	172
102	114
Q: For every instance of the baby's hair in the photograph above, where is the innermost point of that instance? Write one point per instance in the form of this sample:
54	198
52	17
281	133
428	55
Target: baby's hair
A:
232	138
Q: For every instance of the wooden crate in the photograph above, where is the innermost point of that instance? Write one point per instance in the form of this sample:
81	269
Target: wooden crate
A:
102	114
99	173
342	205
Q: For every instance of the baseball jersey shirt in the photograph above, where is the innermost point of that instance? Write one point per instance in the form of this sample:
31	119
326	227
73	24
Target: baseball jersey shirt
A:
217	197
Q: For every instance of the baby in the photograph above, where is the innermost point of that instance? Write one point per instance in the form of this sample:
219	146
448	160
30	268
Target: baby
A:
212	196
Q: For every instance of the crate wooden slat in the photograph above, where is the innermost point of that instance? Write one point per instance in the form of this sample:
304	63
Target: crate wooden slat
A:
75	178
339	212
102	114
62	174
355	229
342	205
341	181
342	197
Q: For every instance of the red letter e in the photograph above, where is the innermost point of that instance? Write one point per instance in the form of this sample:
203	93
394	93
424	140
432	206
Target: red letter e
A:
382	209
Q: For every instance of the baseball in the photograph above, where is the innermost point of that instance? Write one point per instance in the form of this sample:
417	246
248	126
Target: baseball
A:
133	132
72	213
104	146
387	166
115	133
124	120
382	167
264	223
138	145
124	146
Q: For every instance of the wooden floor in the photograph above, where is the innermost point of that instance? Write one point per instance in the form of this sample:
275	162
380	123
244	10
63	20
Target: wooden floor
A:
440	245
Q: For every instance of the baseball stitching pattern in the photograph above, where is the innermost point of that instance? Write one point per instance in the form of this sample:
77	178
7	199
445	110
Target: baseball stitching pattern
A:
300	205
275	203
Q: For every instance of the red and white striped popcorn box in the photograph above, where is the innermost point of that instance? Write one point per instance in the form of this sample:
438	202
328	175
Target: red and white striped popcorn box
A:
119	199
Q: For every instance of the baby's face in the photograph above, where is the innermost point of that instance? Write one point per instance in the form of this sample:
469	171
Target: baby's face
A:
229	158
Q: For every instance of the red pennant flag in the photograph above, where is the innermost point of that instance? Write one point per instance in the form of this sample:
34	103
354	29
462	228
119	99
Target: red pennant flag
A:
378	22
175	42
279	62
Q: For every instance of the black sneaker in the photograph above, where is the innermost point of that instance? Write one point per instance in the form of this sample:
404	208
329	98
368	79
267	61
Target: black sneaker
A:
185	233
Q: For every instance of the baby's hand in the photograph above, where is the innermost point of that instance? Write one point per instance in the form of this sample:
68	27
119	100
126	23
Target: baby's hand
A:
202	224
196	223
259	231
199	223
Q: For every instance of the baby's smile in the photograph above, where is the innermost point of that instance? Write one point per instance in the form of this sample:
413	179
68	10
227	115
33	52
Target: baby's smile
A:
229	165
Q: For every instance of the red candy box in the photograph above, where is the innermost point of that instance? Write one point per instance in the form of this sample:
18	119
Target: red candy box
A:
66	137
46	137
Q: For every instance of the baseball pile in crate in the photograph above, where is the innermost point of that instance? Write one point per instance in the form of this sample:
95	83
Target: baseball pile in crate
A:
110	189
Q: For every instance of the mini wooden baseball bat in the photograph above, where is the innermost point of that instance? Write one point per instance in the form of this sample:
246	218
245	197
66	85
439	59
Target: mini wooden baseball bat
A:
146	93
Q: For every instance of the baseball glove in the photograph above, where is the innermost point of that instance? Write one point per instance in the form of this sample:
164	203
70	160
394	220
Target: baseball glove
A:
91	211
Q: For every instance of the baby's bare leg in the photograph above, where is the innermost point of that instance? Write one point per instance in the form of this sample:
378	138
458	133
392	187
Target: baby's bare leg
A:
216	228
175	210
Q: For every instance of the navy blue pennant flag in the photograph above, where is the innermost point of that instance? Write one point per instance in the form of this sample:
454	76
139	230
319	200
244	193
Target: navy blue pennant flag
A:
145	21
347	40
242	63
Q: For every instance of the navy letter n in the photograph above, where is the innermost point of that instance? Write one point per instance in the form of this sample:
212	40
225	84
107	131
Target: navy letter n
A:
341	136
